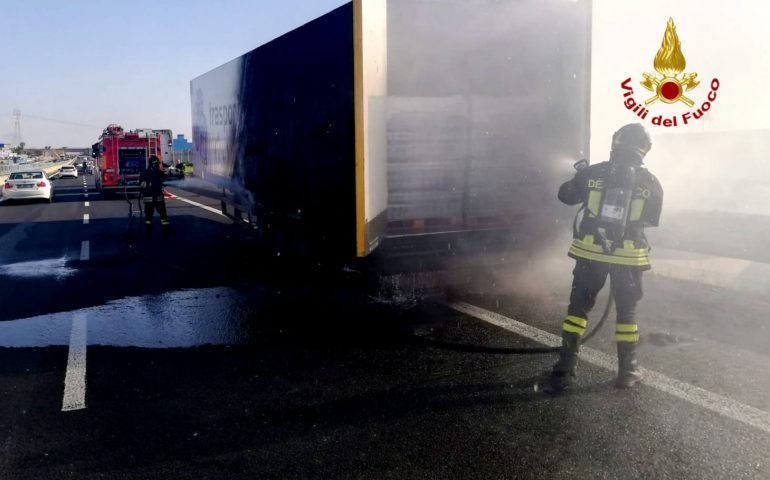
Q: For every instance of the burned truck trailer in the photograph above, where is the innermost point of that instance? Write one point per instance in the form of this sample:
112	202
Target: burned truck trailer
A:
400	122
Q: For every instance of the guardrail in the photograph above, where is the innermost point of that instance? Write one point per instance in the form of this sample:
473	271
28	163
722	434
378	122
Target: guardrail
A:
20	167
6	170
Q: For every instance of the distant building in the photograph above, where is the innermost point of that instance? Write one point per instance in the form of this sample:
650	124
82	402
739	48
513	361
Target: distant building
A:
182	149
181	143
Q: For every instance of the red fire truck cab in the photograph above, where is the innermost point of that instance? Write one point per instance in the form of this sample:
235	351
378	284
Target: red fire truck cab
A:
122	156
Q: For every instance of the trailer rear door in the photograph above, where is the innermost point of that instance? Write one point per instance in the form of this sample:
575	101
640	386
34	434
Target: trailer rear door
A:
371	55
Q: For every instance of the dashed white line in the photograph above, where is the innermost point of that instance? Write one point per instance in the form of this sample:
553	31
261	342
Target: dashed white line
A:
724	406
86	218
88	204
75	378
85	250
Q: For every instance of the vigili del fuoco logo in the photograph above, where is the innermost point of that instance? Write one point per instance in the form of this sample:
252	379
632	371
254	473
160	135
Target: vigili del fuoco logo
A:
672	87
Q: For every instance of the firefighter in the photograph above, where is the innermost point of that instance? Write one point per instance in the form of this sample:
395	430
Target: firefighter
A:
151	184
619	198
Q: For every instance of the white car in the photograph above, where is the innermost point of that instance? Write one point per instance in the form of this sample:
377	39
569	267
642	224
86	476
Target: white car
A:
28	185
68	171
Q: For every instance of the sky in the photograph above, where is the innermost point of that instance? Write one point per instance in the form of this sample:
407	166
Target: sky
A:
74	67
71	68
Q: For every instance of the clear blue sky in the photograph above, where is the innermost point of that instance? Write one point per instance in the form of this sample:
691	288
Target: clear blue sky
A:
90	63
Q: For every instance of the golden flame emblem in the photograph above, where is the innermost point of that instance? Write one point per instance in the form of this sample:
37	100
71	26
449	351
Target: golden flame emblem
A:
670	63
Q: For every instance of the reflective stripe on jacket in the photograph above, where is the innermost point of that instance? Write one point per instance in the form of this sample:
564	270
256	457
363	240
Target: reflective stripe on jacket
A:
626	255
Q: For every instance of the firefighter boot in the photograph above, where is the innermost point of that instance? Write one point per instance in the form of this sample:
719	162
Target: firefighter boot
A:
564	372
629	373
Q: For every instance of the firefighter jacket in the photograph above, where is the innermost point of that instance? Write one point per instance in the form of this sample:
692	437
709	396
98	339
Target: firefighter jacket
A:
586	188
151	183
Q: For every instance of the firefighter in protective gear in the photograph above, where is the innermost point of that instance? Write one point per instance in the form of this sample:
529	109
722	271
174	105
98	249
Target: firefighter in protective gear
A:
623	259
151	184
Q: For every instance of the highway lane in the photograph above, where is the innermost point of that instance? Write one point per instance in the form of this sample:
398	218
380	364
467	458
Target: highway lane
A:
300	400
120	251
199	368
38	240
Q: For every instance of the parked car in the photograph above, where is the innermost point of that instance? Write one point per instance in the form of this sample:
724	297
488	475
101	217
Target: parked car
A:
173	172
68	171
28	185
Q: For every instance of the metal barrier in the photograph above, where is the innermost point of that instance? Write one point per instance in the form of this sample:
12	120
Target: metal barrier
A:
19	167
5	170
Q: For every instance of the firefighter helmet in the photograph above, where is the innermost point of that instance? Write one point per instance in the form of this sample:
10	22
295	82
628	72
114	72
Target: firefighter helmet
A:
633	139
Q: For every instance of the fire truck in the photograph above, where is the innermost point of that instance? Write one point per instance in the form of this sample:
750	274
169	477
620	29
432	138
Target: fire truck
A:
122	156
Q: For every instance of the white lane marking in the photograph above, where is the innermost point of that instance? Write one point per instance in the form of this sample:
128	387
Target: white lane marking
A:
75	378
86	195
724	406
85	250
86	218
199	205
88	204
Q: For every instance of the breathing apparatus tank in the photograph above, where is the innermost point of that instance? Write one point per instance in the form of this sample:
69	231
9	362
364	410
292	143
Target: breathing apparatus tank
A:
614	207
630	144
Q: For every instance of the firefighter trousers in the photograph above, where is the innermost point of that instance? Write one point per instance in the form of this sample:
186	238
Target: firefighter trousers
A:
155	203
626	285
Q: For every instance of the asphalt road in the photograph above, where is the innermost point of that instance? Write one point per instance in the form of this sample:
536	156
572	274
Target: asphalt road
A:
202	359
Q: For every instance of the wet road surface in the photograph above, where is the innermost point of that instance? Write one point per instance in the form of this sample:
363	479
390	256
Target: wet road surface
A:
206	362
